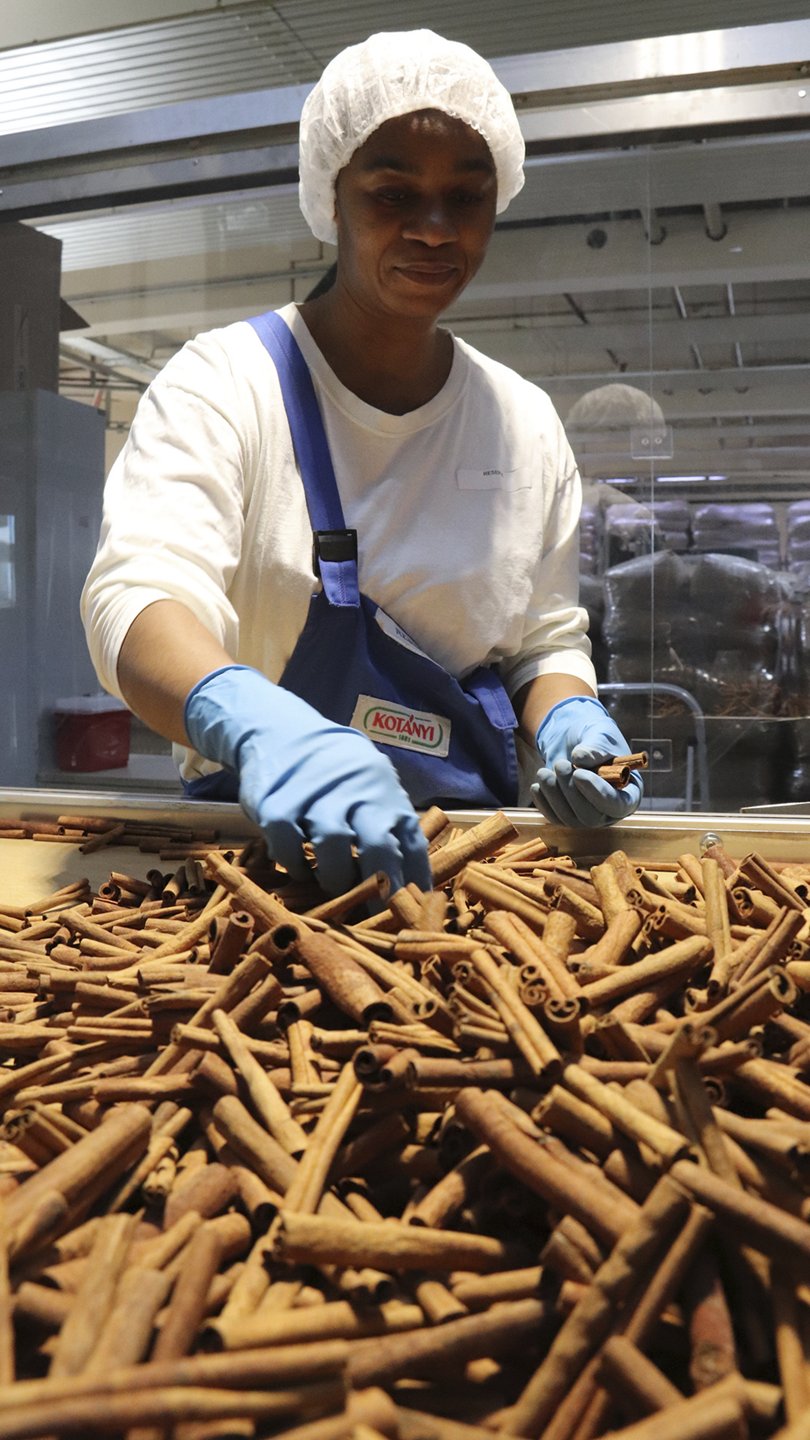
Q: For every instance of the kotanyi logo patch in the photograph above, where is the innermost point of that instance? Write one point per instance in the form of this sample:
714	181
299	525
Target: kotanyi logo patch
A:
390	724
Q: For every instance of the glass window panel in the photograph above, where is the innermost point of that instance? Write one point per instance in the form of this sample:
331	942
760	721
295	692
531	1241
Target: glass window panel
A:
8	587
671	333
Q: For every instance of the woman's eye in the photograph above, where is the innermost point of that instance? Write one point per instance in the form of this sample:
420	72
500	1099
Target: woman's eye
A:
396	195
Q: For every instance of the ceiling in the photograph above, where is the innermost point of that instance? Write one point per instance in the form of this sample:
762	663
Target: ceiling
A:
662	238
154	51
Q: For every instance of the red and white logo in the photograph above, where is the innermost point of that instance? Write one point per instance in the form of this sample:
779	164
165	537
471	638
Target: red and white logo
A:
390	724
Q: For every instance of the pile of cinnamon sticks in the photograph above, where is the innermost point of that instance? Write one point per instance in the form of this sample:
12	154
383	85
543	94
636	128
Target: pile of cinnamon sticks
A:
527	1156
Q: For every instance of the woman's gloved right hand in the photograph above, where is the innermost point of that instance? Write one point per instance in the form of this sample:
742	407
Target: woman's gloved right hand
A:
304	778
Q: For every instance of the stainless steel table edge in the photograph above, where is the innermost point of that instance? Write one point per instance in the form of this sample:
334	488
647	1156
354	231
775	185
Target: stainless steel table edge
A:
647	835
229	820
652	835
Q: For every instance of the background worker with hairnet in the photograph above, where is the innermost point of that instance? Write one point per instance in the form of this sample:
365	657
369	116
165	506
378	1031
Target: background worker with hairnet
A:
431	490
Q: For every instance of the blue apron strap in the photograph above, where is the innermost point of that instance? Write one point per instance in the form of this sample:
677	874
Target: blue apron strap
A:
335	547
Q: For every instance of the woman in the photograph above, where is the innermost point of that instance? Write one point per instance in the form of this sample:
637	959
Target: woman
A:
431	490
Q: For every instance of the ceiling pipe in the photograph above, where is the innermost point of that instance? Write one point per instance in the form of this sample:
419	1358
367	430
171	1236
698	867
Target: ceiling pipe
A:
715	226
653	229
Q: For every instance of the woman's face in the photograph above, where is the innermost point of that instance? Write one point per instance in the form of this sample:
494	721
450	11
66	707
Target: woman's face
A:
415	208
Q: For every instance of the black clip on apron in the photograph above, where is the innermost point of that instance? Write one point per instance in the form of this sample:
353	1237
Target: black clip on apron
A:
452	743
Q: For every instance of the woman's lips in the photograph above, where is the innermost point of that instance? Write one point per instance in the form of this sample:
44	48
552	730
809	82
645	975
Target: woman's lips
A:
428	274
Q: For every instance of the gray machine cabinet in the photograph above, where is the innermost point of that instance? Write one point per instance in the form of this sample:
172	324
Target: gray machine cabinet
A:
51	478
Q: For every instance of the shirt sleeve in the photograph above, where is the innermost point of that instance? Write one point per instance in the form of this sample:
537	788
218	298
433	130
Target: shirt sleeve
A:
172	522
555	632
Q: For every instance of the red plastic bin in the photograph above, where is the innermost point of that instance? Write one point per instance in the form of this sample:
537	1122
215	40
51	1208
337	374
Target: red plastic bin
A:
91	732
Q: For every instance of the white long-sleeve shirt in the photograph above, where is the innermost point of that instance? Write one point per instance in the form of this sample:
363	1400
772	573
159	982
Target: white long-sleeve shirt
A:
466	511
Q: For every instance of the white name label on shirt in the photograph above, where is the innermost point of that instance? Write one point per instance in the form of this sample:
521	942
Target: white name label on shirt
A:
495	479
396	632
390	724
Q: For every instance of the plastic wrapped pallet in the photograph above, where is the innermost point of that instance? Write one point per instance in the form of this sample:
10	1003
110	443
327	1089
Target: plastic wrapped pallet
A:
673	523
736	599
590	539
715	635
797	526
711	621
629	590
750	528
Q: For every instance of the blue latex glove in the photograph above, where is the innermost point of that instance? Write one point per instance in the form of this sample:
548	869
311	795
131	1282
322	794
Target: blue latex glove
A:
302	777
576	737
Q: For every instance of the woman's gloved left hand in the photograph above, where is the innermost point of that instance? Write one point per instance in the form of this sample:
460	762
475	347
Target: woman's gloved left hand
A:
576	737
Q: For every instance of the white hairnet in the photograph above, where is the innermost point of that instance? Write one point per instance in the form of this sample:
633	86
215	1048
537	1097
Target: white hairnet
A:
392	74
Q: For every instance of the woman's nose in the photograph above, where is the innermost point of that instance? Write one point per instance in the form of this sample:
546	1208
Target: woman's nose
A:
431	222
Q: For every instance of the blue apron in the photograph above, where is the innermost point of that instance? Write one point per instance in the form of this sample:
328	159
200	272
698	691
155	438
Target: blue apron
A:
452	742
